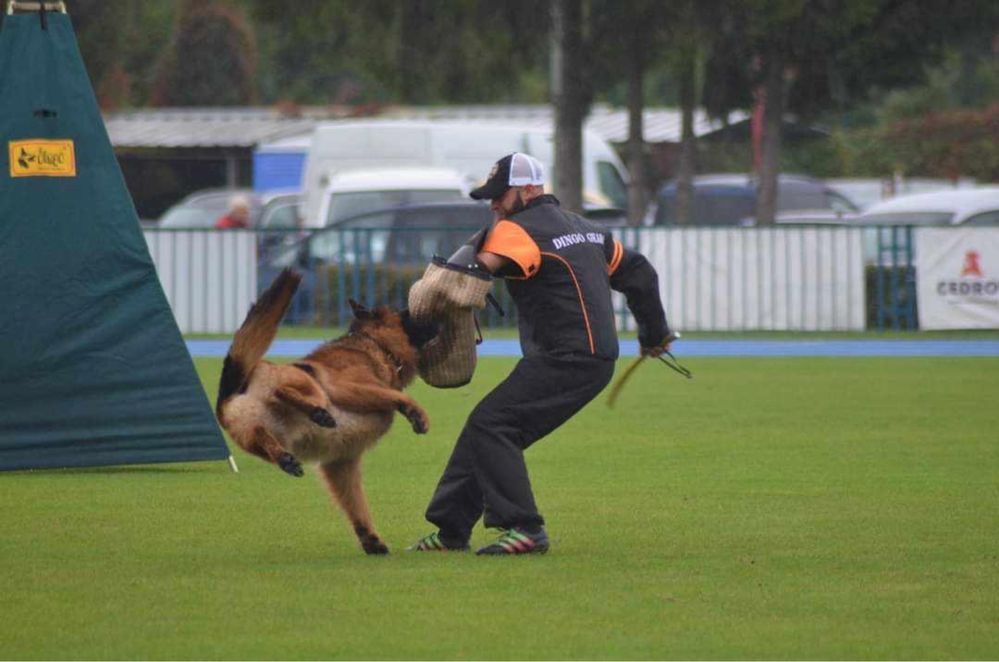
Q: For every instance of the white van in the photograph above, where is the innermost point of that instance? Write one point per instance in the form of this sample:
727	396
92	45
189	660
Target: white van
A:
353	192
471	148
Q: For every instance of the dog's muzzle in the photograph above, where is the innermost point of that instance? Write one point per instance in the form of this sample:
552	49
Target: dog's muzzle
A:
419	332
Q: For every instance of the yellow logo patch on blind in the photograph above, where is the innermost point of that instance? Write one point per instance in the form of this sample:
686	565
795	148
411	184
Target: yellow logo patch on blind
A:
42	158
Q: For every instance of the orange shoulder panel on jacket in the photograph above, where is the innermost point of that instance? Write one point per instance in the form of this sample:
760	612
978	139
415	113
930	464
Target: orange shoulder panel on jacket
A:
616	259
512	241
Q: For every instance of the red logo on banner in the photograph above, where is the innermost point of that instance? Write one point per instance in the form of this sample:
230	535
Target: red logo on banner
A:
971	266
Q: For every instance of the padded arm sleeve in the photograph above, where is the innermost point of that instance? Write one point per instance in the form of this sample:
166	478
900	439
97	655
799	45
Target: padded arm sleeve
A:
637	280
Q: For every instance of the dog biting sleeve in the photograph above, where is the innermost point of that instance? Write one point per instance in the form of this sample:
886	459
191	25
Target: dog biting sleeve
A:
511	241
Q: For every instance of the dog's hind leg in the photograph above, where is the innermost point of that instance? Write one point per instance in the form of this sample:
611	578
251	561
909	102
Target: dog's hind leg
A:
344	482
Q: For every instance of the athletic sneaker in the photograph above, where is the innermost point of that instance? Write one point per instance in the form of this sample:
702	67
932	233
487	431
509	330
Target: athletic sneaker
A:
517	541
434	543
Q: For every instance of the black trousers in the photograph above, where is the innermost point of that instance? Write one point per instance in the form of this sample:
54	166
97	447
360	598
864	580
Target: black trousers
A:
486	475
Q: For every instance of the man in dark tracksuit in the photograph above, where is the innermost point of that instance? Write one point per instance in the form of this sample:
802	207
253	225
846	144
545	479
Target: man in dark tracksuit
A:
559	269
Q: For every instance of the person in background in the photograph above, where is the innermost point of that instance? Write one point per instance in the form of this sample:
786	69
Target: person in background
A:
238	215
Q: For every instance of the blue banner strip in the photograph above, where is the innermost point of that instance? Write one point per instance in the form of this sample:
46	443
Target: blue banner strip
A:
691	348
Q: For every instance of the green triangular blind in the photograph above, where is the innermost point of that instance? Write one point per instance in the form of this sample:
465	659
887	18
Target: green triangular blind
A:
93	369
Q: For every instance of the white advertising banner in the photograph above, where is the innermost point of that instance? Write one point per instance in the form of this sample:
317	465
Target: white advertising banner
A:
957	278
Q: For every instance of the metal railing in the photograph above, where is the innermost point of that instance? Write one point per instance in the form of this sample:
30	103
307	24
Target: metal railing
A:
722	279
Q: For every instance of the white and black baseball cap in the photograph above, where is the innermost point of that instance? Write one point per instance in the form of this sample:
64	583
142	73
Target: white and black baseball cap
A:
517	169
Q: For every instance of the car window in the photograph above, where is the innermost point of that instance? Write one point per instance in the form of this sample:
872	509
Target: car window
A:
712	205
800	195
353	239
984	219
611	184
345	205
280	217
839	203
908	218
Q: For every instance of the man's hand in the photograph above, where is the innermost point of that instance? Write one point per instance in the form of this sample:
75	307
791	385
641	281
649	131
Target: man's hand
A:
656	350
659	348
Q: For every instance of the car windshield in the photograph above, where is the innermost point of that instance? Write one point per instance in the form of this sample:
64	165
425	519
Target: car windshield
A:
611	184
346	205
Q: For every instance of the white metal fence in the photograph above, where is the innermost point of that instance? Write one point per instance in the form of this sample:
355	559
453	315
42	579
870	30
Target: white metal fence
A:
736	279
209	277
719	279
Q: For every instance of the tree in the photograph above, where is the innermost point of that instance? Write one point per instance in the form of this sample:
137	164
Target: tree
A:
119	40
810	58
691	34
570	98
643	30
403	51
211	59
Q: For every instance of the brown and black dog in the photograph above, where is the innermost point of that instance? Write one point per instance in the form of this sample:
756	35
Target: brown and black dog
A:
329	407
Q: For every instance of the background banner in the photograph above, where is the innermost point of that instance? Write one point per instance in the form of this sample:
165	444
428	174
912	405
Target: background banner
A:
957	278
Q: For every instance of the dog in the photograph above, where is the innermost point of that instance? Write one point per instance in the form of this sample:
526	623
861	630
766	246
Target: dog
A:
329	407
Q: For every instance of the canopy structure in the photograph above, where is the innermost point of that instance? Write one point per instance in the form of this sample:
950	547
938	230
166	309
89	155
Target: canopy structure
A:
93	369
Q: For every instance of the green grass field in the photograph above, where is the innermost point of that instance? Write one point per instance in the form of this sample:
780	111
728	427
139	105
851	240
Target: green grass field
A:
768	509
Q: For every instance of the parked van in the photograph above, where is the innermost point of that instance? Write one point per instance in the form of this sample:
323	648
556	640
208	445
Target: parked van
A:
350	193
471	148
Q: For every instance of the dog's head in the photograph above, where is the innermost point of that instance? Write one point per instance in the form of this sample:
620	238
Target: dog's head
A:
396	330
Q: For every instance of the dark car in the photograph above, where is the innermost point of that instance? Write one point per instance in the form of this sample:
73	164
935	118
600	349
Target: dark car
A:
373	256
731	200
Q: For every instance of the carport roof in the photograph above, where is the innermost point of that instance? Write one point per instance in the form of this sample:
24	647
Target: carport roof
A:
201	127
249	127
658	124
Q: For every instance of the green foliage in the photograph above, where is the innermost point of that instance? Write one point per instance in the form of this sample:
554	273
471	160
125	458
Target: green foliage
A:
957	82
768	509
211	59
818	158
120	41
946	145
344	52
963	143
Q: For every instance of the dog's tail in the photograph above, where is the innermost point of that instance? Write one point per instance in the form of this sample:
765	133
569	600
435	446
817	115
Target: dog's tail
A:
255	336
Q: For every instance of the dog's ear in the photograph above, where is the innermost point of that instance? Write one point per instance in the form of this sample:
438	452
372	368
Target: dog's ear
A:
360	312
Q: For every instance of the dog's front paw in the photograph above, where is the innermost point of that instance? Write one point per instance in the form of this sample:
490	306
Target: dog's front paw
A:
417	417
290	465
322	418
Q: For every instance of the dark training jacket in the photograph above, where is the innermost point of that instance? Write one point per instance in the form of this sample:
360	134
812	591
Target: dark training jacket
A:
561	271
